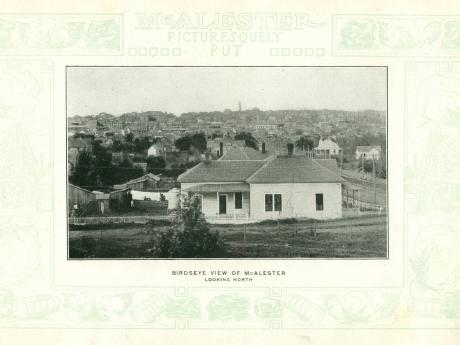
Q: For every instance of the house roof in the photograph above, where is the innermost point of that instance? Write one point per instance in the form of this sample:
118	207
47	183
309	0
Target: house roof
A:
281	169
243	153
221	171
331	164
295	169
368	148
143	178
327	143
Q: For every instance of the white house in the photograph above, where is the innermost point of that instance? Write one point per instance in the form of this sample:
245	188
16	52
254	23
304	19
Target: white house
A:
160	148
368	152
156	150
279	187
327	147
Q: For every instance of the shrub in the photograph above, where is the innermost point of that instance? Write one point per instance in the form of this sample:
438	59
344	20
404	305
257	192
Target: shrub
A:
189	235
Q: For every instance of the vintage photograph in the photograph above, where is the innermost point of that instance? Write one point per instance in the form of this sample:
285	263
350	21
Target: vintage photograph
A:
227	162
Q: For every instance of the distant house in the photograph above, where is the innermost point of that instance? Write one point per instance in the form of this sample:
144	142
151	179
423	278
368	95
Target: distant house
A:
275	188
148	182
368	152
327	148
79	198
161	148
156	150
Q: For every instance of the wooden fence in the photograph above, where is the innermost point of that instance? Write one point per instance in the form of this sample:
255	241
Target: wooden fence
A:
116	220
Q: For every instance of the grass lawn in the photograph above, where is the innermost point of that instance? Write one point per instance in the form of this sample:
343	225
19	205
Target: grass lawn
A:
363	237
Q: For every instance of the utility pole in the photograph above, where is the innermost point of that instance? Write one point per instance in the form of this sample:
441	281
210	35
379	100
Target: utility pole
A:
373	173
341	163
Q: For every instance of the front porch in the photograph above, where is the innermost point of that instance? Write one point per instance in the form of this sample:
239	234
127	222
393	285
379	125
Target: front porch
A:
224	203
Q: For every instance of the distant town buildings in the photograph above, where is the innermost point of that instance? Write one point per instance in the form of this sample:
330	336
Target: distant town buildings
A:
368	152
161	148
131	140
327	147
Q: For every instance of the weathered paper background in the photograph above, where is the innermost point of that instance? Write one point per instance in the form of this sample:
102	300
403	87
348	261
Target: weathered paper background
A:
412	297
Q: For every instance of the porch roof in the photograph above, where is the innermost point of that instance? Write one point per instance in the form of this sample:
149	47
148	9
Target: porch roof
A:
219	187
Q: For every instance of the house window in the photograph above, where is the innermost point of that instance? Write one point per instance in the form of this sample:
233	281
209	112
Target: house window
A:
268	202
319	202
278	202
238	200
222	203
273	202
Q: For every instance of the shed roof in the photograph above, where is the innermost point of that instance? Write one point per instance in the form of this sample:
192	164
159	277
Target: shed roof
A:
143	178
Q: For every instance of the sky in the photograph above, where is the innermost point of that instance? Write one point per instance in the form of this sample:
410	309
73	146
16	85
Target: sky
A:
118	90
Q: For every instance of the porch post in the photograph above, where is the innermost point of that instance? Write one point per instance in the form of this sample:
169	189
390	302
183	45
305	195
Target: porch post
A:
249	204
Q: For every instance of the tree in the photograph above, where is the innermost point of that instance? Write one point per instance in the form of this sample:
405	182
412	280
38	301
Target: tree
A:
125	172
183	143
84	175
155	165
249	140
196	141
304	143
189	235
129	137
141	144
117	145
102	165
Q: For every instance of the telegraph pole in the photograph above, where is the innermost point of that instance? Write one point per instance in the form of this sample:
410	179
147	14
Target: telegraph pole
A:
341	163
373	173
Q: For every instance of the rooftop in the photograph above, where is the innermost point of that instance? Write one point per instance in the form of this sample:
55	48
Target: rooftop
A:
143	178
296	169
281	169
221	171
